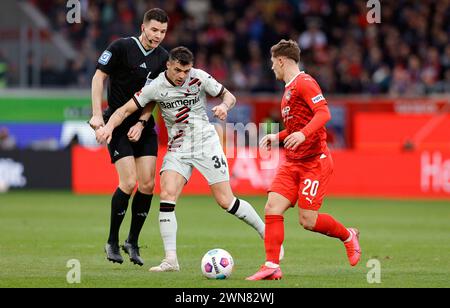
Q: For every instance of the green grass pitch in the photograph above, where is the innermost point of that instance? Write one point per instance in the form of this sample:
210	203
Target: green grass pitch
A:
41	231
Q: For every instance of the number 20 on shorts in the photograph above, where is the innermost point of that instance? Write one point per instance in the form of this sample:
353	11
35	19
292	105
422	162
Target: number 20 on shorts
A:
311	188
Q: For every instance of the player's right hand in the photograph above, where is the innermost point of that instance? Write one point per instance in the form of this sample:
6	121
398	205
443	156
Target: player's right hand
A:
220	111
135	132
267	141
96	122
103	135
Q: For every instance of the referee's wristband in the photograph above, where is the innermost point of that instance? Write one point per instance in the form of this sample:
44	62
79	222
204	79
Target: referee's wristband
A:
143	122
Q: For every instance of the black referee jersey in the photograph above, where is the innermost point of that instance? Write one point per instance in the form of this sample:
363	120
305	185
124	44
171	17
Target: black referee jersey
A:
130	66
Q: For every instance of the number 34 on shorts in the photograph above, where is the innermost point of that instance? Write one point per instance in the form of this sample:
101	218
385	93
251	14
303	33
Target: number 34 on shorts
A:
219	162
218	169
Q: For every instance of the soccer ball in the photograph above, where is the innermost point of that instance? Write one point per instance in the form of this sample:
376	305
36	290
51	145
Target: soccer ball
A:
217	264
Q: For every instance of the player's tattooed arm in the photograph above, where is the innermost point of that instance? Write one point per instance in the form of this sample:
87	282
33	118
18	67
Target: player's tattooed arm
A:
104	134
147	111
122	113
228	102
228	99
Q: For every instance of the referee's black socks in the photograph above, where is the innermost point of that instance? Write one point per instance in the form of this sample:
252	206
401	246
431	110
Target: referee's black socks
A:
119	205
140	208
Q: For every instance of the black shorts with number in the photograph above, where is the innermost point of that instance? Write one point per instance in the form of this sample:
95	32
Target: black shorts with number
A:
120	146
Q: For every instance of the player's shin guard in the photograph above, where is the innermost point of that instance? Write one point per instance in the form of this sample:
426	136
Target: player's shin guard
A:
140	208
119	205
274	237
244	211
168	228
329	226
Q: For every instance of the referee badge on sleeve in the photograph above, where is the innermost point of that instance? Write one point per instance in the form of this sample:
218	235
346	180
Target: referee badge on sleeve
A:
105	57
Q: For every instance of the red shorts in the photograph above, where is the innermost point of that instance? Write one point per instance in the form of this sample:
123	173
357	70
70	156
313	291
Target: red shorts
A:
304	181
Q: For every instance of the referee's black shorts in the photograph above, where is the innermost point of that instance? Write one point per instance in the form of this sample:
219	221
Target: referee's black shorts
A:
120	146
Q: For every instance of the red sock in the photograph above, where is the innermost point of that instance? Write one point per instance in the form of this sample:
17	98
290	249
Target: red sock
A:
329	226
274	237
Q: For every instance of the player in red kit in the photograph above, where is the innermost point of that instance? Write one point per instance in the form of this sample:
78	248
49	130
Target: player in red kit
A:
304	177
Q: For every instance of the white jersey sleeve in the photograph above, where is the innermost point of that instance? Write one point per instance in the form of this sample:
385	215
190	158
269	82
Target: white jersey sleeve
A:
147	94
210	85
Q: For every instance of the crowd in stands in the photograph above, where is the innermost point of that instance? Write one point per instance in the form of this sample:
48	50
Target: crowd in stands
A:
408	53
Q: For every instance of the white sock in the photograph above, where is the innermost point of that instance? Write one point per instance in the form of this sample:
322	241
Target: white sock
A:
168	228
248	214
271	264
171	256
350	237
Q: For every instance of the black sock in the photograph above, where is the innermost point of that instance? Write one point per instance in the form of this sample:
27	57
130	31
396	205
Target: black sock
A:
140	208
119	205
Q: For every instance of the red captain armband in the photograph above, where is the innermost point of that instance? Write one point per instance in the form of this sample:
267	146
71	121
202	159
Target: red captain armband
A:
282	135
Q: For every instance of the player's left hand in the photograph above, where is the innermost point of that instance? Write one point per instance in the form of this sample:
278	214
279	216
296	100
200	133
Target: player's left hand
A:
220	112
103	135
135	132
294	140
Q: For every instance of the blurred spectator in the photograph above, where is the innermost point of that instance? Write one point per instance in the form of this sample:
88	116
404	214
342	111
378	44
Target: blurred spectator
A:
217	68
198	8
239	80
7	142
408	53
443	86
400	81
313	37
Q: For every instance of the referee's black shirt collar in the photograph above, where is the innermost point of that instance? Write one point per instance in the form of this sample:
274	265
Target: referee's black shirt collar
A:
141	47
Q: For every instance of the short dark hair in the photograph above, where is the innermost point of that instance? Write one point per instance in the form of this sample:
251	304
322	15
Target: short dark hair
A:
182	55
156	14
288	49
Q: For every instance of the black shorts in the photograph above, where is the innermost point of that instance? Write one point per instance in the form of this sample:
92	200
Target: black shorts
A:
120	146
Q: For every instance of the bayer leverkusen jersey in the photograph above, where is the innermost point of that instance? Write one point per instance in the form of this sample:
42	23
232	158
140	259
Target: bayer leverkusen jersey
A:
183	107
301	97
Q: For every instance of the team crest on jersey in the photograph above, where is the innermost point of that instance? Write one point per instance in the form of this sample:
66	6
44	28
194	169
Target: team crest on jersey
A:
105	57
288	95
194	88
286	111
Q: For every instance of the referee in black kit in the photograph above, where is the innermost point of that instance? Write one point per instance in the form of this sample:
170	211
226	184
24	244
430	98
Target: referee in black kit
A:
130	63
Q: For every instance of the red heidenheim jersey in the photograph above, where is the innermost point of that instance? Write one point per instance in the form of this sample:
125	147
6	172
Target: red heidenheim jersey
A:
301	96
